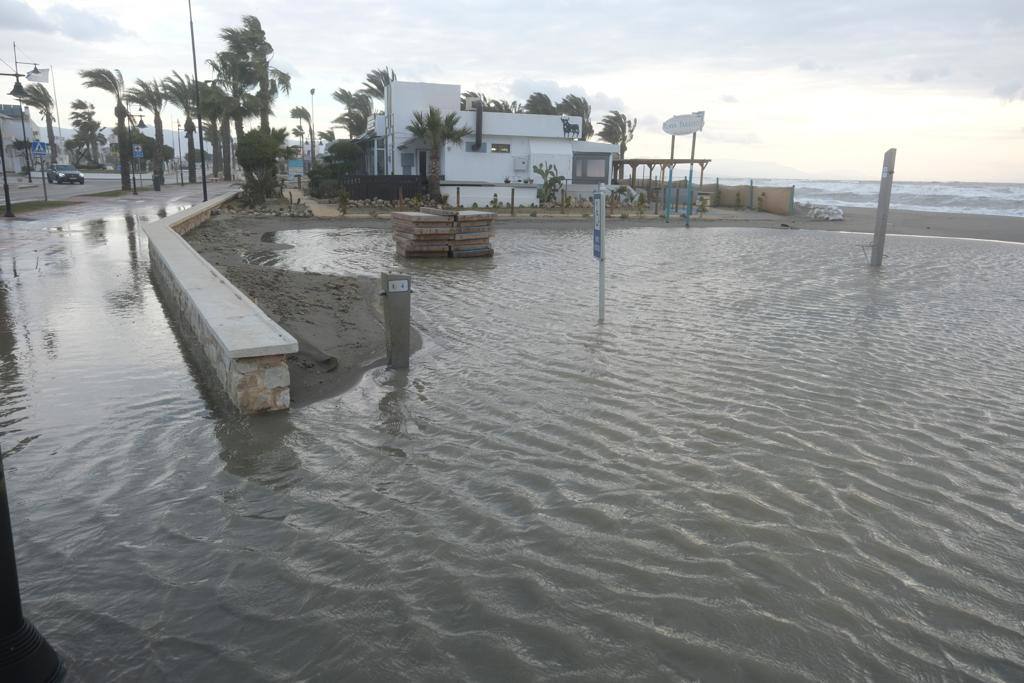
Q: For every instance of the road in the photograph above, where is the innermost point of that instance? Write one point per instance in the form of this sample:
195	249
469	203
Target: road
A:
105	183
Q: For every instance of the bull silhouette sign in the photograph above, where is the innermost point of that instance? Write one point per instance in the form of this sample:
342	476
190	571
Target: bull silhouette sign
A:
569	129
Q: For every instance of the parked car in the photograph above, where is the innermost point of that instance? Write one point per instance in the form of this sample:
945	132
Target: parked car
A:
64	173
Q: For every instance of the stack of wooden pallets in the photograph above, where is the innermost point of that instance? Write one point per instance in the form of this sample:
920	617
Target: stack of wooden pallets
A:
440	233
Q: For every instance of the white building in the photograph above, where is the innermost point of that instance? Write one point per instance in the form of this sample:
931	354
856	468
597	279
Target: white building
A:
498	156
10	120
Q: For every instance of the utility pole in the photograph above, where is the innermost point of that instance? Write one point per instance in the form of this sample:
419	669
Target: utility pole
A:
199	110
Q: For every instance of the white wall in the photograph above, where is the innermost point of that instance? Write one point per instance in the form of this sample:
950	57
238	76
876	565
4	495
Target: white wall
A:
482	195
402	98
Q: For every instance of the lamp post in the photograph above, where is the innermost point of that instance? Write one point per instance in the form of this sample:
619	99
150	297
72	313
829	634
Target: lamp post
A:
199	110
177	149
17	92
137	126
26	654
3	164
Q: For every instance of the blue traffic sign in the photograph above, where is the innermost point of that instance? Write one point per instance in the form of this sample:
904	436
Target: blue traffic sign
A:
597	233
38	148
137	151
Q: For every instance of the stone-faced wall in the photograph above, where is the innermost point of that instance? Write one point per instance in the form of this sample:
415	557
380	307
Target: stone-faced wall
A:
254	374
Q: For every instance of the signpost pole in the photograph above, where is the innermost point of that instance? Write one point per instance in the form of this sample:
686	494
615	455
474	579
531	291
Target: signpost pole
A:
669	204
882	213
39	152
689	183
599	225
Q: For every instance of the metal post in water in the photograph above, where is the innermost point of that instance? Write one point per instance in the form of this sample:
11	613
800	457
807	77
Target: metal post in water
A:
689	183
396	290
597	199
882	213
24	653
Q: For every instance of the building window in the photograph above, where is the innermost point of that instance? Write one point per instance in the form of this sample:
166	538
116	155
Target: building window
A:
589	168
501	147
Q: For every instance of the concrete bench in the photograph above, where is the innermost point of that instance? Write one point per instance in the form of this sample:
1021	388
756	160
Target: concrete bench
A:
246	350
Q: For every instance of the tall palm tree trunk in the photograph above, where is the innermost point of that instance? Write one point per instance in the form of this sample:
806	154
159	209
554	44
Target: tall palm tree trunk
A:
124	149
434	178
190	132
94	151
213	137
225	141
264	103
158	153
51	137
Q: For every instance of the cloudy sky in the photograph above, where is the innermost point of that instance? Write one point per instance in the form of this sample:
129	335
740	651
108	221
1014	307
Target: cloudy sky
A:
819	88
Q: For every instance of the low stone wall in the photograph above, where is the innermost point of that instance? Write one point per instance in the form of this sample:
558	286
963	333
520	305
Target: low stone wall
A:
246	350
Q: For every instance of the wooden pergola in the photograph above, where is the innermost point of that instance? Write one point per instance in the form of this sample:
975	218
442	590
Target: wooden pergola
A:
619	168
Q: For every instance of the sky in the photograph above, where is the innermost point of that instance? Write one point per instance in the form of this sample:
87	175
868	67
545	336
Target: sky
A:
791	88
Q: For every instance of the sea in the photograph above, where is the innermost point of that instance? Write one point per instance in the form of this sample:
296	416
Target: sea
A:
993	199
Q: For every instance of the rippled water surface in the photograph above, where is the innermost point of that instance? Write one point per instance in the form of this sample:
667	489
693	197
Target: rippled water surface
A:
770	463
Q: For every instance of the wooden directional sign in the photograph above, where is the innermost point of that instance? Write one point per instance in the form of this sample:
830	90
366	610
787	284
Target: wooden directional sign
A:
684	124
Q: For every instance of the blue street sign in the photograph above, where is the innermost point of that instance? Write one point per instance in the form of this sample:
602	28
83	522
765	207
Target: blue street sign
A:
137	151
38	148
597	232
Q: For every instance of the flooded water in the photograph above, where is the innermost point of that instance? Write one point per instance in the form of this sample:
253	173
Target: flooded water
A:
770	463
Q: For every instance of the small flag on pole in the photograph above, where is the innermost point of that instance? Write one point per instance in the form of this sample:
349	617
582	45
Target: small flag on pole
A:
38	75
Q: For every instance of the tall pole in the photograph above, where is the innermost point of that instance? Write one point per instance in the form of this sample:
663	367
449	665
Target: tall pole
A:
689	183
3	165
53	82
24	135
26	654
671	172
177	148
882	213
312	131
199	109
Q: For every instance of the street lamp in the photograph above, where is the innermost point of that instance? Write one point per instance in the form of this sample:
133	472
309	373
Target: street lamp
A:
18	92
26	654
199	111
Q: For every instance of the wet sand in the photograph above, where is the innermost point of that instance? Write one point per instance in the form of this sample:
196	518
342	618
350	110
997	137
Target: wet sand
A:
337	320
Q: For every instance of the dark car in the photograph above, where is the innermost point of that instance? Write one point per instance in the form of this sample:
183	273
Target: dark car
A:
64	173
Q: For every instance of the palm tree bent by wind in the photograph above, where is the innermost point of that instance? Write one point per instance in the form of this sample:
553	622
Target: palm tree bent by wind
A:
113	83
149	95
39	97
180	91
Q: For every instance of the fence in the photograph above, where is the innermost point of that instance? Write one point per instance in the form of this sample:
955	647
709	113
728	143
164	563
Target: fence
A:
778	200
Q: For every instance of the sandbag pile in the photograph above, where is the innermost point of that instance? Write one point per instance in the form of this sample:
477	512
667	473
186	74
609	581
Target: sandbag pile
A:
440	233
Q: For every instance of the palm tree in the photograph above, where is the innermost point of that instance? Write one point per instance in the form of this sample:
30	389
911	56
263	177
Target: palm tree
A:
218	107
113	83
574	105
149	95
617	129
539	103
87	129
235	76
326	135
436	131
303	117
249	43
377	82
39	97
358	110
181	92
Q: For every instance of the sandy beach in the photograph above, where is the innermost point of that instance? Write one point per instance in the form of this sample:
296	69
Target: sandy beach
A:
337	320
